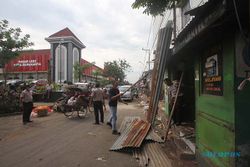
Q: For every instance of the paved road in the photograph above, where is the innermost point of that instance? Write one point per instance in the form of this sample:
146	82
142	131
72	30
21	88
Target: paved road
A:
56	141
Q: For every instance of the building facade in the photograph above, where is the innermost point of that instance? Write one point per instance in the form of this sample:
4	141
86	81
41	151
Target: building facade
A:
211	51
54	64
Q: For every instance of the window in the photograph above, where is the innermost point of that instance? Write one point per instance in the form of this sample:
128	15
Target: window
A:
61	64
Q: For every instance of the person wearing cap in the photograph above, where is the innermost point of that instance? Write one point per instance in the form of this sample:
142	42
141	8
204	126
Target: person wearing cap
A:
26	99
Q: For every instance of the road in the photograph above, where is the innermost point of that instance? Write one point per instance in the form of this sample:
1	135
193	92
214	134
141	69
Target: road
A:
56	141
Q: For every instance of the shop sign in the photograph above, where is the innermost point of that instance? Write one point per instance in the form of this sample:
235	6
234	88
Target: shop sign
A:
212	75
24	63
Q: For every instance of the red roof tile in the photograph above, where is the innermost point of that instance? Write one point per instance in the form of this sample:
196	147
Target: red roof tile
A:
64	33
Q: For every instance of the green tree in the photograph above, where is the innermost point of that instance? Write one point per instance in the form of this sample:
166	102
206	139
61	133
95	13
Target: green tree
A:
104	82
155	7
96	73
79	69
11	43
116	69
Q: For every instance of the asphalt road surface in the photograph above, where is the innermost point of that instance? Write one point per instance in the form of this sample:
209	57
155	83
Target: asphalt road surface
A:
57	141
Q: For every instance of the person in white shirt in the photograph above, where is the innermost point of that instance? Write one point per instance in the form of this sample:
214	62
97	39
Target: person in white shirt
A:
97	96
49	88
73	99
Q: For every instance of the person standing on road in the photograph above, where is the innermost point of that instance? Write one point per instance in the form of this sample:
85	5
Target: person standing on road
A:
97	97
114	96
49	88
26	99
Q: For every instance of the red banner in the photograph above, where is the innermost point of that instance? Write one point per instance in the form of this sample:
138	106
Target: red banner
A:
30	61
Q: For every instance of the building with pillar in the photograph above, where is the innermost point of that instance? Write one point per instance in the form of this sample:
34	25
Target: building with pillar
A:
54	64
65	51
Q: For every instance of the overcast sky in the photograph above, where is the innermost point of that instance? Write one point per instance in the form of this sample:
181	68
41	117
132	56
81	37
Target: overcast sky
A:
110	29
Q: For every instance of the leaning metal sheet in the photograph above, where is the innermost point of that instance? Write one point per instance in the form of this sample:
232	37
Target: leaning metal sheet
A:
132	136
126	122
151	136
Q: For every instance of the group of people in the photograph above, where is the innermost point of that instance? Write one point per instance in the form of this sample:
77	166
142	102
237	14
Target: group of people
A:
98	97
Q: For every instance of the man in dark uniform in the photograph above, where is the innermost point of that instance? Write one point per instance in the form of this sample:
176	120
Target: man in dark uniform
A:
26	99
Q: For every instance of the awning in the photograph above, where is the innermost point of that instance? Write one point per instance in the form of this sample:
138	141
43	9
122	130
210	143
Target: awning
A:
204	16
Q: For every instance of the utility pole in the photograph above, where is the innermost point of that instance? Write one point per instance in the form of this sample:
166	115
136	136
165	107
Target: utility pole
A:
147	50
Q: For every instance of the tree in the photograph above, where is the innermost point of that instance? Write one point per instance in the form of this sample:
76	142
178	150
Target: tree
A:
116	69
104	82
155	7
96	73
11	43
79	69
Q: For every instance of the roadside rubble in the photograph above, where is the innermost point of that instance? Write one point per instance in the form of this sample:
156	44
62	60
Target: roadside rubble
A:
139	138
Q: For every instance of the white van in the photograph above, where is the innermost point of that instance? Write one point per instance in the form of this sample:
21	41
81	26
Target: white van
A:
128	94
82	85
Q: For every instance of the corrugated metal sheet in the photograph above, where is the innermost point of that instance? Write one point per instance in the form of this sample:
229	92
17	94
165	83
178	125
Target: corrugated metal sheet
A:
142	157
152	155
126	122
137	134
132	136
152	135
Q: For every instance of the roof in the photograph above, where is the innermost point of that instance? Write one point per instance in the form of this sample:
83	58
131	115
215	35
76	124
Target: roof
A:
205	16
64	33
203	9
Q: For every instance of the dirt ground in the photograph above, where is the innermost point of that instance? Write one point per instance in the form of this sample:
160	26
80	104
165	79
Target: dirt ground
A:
57	141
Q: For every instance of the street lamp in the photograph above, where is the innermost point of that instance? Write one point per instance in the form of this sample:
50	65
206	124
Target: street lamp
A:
147	50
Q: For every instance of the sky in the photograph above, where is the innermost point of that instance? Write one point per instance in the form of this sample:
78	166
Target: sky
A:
110	29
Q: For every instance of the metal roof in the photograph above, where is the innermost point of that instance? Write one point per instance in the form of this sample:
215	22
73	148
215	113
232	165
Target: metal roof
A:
132	136
133	131
152	155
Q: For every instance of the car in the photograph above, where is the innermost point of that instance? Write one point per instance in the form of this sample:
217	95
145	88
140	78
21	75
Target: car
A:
108	87
81	85
128	95
15	83
1	82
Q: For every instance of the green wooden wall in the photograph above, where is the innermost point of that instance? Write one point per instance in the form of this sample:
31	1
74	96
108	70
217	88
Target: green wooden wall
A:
215	116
